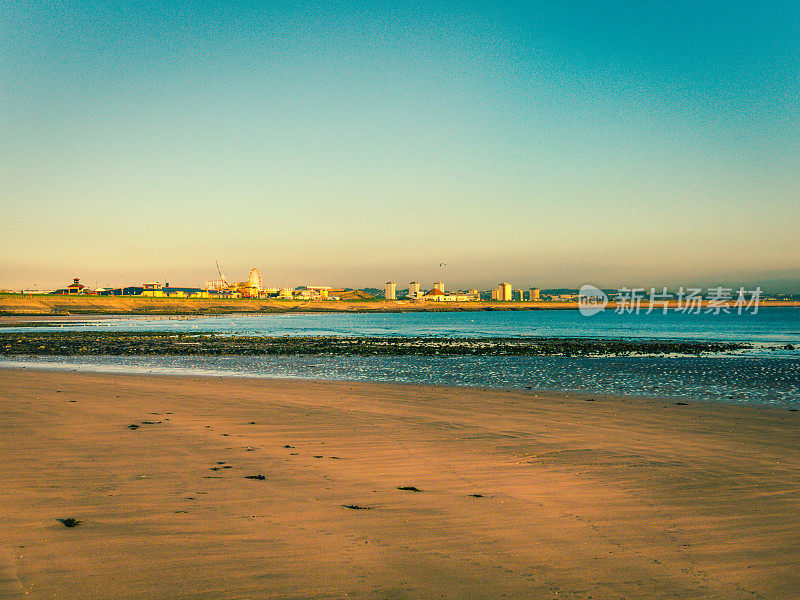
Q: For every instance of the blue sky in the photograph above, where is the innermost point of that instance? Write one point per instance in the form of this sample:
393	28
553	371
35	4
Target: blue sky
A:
549	144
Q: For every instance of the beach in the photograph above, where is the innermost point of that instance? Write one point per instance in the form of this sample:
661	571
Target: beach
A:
209	487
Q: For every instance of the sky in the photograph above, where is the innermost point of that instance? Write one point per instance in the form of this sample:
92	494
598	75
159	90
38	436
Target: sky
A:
546	144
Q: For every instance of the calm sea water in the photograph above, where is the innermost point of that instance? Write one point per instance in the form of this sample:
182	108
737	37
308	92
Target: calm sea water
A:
769	325
768	375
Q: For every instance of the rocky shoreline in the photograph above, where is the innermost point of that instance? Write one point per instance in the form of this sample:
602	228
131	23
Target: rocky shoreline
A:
149	344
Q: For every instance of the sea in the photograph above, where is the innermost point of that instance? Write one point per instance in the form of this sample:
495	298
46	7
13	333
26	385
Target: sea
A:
766	374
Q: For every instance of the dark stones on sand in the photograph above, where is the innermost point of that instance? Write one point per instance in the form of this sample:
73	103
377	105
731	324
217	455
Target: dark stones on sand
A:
135	426
476	495
409	488
288	446
356	507
170	344
252	423
318	456
681	404
258	477
70	522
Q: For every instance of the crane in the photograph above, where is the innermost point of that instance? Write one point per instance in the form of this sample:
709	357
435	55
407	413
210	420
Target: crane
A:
221	276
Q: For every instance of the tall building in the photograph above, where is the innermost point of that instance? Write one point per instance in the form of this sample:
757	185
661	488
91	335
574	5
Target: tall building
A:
391	291
414	290
438	285
504	292
534	295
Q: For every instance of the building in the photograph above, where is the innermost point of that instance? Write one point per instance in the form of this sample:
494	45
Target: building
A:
518	295
438	285
216	285
156	290
178	292
391	290
76	287
319	292
503	292
534	294
152	290
414	291
246	289
434	294
132	290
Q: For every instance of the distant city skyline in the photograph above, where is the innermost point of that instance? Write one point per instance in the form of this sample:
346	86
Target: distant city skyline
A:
776	286
548	145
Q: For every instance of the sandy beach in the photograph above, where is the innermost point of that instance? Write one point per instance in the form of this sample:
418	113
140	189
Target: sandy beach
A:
522	494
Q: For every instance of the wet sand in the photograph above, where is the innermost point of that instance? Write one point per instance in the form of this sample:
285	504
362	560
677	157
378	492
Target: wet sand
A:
522	495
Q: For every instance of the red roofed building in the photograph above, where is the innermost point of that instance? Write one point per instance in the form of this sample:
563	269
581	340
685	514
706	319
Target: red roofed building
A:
76	287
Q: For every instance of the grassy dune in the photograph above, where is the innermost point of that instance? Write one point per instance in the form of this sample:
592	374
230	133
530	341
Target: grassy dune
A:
18	305
76	305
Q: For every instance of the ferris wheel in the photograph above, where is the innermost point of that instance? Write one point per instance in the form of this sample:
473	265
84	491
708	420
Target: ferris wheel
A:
255	278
